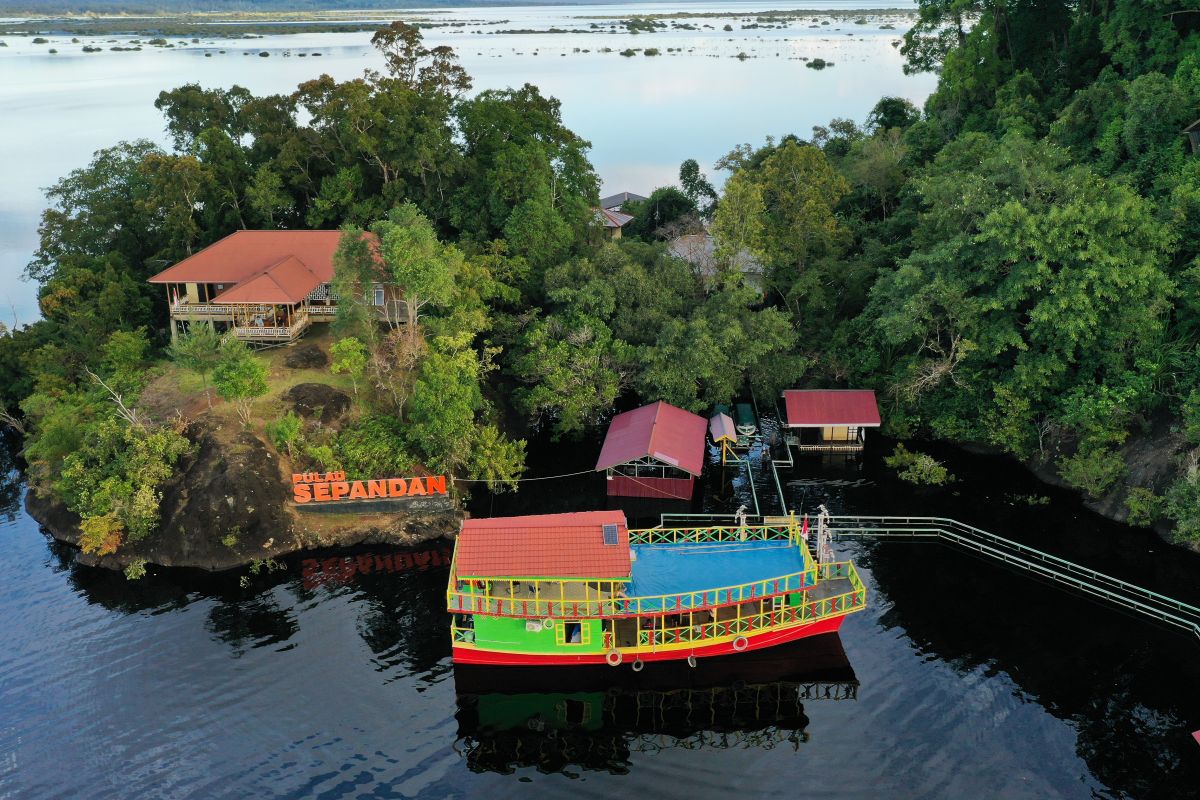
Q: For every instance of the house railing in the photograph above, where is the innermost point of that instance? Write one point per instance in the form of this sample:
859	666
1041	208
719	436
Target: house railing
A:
201	309
273	332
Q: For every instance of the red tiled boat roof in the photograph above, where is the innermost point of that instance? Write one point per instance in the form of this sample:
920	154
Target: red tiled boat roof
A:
543	546
660	431
820	407
243	254
286	281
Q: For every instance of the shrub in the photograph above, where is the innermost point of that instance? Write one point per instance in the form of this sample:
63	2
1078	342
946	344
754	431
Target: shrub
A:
918	468
629	52
1183	504
373	447
239	377
136	569
1093	470
285	432
1144	506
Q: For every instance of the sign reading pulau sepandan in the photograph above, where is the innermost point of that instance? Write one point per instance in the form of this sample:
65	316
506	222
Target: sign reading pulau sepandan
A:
332	487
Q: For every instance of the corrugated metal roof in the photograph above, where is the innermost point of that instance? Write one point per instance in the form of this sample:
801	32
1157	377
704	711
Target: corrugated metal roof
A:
721	427
613	219
244	254
286	281
820	407
660	431
615	200
545	546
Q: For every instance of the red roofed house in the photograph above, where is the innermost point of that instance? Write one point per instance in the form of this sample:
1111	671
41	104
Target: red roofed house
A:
831	419
265	286
613	221
653	451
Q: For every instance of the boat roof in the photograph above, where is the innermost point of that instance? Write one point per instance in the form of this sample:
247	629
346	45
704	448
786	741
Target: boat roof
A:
659	431
544	546
815	408
720	427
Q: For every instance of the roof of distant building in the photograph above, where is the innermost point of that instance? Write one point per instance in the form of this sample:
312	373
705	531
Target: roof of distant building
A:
813	408
544	546
659	431
615	200
287	281
244	254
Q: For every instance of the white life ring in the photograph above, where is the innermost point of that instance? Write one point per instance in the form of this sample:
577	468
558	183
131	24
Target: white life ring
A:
741	643
547	624
638	665
691	661
614	658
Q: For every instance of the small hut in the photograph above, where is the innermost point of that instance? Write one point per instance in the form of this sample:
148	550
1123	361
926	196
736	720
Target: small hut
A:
831	419
654	451
724	434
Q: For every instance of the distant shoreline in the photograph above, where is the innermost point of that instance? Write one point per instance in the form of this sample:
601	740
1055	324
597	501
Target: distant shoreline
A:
235	24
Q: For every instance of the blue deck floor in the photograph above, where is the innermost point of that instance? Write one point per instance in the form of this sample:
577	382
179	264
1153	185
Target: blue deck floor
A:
679	569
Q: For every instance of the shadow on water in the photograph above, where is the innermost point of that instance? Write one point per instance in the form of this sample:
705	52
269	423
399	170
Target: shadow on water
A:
600	718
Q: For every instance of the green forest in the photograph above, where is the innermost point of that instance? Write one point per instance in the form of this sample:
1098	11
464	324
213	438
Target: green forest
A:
1013	265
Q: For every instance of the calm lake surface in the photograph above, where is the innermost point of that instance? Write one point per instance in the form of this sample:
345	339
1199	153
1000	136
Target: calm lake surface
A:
643	115
333	679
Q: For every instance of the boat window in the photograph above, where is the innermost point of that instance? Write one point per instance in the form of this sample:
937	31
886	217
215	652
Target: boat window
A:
572	632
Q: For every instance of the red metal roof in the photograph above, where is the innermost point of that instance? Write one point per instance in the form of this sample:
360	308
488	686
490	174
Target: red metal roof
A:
543	546
613	219
244	254
819	407
286	281
660	431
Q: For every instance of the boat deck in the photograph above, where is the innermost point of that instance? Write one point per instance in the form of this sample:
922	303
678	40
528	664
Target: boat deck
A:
830	587
678	569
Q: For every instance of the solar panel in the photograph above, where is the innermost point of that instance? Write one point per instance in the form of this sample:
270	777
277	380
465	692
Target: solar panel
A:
610	533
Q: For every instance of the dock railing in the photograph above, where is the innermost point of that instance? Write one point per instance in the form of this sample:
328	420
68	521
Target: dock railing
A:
1132	597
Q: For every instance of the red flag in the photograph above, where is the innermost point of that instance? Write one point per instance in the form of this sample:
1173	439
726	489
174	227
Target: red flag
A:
1196	736
804	529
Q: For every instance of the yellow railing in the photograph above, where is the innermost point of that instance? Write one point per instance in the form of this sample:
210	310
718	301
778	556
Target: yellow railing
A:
570	599
722	533
808	611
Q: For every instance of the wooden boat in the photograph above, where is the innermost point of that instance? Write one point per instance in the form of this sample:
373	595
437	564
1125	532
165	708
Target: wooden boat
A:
582	588
745	418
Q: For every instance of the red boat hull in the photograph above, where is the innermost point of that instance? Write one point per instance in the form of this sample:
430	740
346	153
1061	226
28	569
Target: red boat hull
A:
467	655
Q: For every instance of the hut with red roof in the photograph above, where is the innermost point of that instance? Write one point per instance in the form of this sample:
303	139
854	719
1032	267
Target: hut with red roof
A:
831	419
655	451
264	286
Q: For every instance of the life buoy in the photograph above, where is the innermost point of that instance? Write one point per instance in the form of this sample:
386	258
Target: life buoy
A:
741	643
692	662
614	658
637	665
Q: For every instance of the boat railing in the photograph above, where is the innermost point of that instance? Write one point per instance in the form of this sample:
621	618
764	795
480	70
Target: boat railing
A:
1132	597
517	598
568	599
784	616
714	533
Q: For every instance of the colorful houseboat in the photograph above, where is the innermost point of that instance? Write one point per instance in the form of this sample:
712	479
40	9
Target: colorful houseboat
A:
582	588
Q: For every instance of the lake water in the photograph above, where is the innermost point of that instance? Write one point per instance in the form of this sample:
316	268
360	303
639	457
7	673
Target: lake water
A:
643	115
333	679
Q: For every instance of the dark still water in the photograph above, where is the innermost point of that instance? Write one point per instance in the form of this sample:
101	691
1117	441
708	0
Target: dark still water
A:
332	679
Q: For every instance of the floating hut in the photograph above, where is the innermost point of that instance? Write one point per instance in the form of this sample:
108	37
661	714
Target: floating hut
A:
831	419
653	451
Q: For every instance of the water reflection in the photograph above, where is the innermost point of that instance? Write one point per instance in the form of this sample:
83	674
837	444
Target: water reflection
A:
598	718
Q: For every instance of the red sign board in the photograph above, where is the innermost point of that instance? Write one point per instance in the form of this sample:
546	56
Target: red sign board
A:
332	487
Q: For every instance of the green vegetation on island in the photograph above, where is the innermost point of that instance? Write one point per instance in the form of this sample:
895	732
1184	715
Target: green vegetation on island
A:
1015	265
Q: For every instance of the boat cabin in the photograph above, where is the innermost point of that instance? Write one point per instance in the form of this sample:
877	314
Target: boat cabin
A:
830	419
655	451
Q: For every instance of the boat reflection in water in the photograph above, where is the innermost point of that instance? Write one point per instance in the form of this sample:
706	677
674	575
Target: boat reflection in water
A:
595	717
